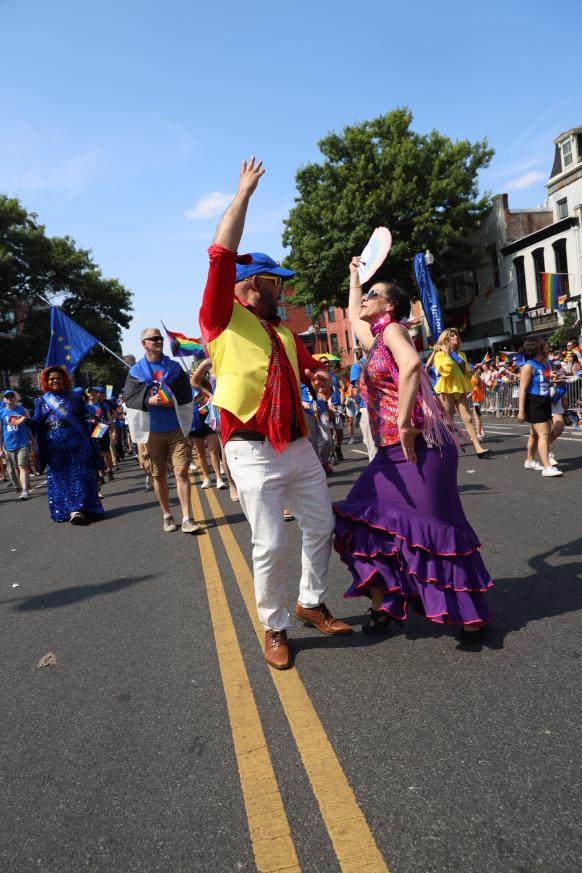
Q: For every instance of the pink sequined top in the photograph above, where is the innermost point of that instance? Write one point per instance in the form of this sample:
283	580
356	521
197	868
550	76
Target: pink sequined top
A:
379	390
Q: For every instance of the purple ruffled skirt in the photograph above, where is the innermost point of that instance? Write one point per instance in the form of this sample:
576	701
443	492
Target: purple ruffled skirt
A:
402	529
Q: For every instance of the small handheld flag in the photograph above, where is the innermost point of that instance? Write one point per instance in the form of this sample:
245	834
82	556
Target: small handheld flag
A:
100	430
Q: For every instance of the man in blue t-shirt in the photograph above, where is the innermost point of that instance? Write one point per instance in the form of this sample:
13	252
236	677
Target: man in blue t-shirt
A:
14	441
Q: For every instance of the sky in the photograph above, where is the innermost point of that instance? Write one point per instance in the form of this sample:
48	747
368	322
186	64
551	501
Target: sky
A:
123	124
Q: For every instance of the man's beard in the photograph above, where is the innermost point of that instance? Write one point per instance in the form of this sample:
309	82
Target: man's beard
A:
269	307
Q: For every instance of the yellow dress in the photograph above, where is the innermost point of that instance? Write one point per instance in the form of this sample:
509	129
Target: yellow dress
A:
452	379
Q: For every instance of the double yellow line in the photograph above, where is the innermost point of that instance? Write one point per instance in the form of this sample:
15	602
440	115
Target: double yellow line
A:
271	838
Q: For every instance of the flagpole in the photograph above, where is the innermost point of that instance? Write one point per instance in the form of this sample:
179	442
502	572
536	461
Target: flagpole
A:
184	367
99	343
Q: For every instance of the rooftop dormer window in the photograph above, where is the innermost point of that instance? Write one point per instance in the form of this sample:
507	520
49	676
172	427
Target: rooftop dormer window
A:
567	156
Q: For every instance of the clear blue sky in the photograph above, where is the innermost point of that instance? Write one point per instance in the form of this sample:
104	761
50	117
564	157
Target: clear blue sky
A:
120	117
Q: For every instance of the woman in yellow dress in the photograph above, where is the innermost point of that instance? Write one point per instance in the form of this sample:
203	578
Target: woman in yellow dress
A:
454	383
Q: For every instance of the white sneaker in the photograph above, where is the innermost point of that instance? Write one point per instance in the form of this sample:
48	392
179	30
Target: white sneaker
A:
351	441
193	467
24	495
533	465
553	460
551	471
220	484
206	484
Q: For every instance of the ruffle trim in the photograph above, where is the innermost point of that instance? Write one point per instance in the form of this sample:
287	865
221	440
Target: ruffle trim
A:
446	542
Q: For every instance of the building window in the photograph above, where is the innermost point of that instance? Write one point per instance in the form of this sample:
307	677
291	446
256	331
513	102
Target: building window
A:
492	250
348	346
282	312
539	268
567	156
309	307
331	314
519	265
561	260
562	207
334	344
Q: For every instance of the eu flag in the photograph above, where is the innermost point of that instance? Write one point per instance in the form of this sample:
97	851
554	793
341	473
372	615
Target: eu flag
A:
69	342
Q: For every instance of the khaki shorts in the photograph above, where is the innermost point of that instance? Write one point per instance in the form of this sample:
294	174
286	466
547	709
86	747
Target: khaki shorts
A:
161	448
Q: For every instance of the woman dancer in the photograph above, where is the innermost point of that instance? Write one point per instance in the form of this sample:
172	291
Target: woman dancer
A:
454	384
65	447
402	530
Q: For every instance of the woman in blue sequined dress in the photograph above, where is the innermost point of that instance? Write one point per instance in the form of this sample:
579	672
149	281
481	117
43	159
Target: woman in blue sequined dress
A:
66	449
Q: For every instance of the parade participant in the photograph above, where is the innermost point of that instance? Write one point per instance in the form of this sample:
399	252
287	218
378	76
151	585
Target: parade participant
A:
355	374
336	418
349	400
559	409
66	449
478	396
14	441
535	406
202	434
259	365
402	530
99	413
454	384
158	398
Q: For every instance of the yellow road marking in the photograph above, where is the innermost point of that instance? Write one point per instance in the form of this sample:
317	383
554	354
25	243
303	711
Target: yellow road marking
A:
353	842
270	834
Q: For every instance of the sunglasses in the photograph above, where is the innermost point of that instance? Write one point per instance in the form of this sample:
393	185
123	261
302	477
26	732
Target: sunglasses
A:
153	339
276	279
374	295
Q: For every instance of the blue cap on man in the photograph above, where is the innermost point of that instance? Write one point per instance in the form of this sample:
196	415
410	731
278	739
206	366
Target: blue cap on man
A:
257	262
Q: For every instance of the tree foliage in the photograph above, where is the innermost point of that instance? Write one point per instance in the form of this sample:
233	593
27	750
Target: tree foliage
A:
423	187
33	264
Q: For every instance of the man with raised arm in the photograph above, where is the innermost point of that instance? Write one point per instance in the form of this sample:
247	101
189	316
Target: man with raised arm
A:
259	366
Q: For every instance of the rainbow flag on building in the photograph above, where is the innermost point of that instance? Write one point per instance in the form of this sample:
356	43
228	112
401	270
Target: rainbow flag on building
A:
551	288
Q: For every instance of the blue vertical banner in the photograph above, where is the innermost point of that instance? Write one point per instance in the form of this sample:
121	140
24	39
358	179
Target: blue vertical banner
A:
69	341
428	297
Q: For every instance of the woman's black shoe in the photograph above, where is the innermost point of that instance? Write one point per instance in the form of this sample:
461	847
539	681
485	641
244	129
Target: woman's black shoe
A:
469	638
379	623
484	454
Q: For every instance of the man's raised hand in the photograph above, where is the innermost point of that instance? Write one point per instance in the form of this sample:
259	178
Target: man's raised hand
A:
250	173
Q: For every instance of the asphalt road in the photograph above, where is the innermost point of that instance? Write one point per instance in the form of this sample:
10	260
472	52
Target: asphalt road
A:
127	754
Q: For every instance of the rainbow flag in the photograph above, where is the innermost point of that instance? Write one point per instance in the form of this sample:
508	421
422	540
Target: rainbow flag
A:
184	346
551	285
503	357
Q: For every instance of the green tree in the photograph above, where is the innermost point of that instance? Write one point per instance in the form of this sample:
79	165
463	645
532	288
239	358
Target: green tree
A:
32	263
423	187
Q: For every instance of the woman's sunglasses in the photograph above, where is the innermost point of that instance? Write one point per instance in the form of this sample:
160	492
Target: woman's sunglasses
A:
374	295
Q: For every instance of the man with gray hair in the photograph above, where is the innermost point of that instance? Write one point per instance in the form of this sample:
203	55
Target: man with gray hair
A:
159	415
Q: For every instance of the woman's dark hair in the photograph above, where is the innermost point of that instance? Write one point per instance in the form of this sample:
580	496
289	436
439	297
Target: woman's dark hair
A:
55	369
532	348
399	298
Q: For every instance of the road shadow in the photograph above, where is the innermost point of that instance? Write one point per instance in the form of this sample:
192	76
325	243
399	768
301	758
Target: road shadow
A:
115	512
470	487
77	593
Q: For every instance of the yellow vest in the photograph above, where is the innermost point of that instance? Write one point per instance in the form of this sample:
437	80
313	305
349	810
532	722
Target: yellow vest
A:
240	358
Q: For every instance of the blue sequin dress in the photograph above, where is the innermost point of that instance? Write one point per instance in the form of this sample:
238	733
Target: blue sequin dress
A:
70	460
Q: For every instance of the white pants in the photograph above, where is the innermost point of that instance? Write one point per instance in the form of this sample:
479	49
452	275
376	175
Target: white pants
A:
371	447
267	481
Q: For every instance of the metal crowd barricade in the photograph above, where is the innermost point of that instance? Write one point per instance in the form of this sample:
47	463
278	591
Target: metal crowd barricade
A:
505	400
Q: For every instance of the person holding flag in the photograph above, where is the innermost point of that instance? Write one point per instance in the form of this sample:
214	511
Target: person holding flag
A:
158	401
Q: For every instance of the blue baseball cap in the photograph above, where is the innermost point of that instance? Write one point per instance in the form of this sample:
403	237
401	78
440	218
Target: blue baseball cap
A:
9	392
257	262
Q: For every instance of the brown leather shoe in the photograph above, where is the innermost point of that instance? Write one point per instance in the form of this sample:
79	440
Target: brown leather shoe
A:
321	618
277	650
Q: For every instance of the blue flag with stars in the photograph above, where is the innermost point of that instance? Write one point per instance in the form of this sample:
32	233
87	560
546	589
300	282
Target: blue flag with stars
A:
69	341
